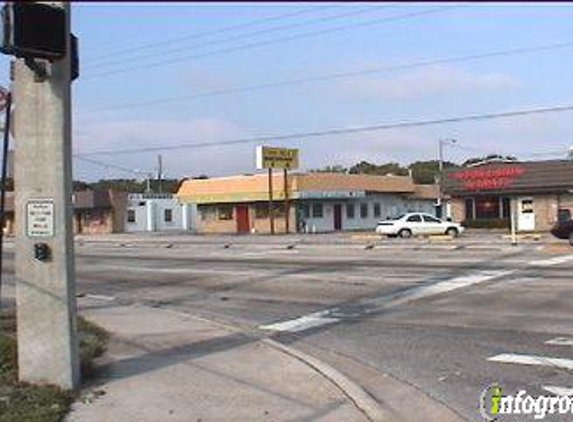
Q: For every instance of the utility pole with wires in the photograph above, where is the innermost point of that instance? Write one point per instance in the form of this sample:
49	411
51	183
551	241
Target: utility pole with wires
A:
441	144
160	173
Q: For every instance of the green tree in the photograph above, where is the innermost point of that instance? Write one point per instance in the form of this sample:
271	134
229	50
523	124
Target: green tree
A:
491	157
365	167
337	168
426	172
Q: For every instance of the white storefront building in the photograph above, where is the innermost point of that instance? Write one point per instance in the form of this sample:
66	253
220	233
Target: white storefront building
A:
158	212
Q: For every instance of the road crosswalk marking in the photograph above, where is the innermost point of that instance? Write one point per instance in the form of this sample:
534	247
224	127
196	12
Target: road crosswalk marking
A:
552	261
561	341
329	316
559	391
533	360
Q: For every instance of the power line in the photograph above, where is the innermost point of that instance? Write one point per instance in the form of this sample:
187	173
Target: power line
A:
135	49
341	75
108	165
273	41
335	132
164	53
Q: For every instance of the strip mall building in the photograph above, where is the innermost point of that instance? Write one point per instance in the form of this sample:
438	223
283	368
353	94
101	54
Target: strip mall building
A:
542	193
319	202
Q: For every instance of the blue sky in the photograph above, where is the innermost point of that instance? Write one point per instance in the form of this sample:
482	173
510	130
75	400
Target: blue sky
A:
202	62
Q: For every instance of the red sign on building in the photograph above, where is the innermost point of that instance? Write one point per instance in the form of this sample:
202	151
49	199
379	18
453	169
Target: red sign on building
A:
487	179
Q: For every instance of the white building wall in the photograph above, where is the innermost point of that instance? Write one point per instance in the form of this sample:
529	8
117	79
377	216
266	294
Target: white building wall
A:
390	206
150	211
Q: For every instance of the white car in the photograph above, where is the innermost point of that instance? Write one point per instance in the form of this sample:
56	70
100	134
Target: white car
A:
416	224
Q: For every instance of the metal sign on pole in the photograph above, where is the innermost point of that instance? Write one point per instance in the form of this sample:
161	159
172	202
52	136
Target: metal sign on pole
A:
279	158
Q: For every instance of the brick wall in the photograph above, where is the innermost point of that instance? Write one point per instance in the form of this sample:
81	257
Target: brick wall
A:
94	221
209	220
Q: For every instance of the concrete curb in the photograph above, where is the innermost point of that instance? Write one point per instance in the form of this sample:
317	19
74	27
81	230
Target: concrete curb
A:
363	401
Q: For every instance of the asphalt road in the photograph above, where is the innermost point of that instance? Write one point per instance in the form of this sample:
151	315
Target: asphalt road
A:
448	321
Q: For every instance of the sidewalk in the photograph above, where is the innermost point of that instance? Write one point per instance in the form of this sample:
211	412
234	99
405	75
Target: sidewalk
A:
166	366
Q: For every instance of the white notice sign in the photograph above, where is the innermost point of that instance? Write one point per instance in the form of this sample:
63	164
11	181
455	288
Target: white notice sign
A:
40	218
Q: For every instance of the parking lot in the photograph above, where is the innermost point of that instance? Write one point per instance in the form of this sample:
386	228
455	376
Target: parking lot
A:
442	318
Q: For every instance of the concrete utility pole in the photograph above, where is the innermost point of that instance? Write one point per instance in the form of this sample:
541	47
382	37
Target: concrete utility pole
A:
45	273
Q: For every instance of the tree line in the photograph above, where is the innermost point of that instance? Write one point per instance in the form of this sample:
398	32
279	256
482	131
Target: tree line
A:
423	172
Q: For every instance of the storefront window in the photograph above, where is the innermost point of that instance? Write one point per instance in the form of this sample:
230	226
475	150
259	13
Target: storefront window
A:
350	211
131	216
317	210
363	210
470	205
262	211
225	213
506	207
376	210
487	207
168	215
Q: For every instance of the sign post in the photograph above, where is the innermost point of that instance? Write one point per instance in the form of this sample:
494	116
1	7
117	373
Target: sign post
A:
287	204
513	220
280	158
44	252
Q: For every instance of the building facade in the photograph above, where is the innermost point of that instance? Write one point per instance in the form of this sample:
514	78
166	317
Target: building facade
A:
95	212
157	212
539	193
317	202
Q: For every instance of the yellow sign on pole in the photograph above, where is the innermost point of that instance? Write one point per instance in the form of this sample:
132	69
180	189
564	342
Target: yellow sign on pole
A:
277	158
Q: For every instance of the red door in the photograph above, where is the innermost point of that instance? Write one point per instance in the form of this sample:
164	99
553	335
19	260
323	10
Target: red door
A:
243	224
337	217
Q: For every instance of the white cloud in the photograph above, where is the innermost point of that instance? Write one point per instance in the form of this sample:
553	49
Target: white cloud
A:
423	83
96	135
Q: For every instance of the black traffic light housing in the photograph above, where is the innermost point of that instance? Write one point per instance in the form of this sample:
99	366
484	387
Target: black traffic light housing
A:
42	252
34	30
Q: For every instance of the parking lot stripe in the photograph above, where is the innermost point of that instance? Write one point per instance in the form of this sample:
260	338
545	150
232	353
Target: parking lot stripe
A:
559	391
533	360
561	341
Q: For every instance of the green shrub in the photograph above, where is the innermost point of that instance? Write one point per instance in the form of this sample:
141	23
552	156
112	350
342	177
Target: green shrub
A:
21	402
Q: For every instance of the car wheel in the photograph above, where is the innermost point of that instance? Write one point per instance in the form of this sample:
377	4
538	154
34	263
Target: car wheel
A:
452	231
571	239
405	233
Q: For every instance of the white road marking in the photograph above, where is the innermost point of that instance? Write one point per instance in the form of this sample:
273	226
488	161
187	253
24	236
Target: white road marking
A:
552	261
325	317
559	391
303	323
561	341
533	360
100	297
450	285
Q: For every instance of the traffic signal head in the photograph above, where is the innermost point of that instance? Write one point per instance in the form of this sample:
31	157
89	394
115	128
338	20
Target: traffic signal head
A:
34	30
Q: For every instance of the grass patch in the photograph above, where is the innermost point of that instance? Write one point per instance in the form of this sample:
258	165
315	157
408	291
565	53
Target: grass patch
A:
21	402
